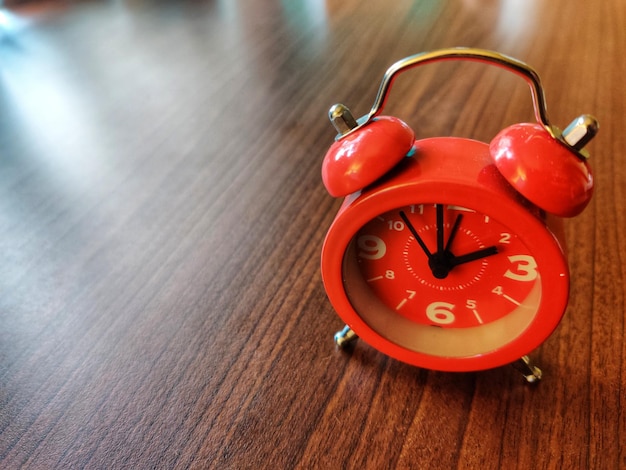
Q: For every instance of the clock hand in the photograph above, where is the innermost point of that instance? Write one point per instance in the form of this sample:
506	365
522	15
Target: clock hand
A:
455	228
473	256
442	262
416	235
439	209
439	262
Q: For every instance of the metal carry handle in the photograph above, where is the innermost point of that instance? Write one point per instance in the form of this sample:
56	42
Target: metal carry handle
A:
575	136
475	55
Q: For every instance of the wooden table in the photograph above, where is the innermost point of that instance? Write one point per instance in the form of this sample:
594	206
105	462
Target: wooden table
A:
162	216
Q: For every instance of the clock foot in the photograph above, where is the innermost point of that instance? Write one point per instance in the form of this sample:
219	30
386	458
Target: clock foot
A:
531	373
344	337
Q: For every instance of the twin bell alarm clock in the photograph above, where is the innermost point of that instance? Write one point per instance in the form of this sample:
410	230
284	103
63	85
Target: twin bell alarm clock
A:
448	253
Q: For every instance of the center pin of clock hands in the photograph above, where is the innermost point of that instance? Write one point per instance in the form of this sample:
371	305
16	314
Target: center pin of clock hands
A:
443	260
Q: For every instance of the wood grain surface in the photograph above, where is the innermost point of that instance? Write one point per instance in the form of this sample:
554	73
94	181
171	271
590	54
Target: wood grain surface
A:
162	216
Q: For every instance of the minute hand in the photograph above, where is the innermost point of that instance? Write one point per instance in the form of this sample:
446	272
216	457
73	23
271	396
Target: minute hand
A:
474	255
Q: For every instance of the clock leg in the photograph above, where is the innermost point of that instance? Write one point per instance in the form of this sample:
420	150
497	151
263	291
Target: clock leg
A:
344	337
531	373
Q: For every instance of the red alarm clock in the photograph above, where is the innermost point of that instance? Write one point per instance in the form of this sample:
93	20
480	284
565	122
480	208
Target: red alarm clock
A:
448	253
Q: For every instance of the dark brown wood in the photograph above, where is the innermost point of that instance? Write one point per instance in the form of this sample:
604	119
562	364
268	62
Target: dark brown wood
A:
162	215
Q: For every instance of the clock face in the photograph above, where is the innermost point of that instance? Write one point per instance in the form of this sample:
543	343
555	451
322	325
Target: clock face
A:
442	279
459	269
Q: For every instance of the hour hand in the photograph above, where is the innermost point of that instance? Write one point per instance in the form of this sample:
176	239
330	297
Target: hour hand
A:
474	255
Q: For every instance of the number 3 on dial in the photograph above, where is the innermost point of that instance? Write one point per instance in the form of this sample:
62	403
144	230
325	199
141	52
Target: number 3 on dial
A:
526	268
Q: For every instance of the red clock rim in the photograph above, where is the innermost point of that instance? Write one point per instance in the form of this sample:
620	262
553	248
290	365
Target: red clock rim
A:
543	245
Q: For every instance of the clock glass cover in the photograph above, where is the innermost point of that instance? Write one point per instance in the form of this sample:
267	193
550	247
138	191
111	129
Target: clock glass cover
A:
442	280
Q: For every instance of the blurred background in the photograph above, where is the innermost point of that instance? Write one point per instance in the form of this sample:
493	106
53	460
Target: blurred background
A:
162	215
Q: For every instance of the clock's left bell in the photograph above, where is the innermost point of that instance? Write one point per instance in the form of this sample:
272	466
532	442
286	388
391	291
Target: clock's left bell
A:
362	153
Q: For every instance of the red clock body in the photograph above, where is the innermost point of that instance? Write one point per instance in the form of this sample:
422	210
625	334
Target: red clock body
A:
443	265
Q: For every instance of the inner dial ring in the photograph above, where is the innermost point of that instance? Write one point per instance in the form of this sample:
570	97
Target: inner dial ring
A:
465	275
489	273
